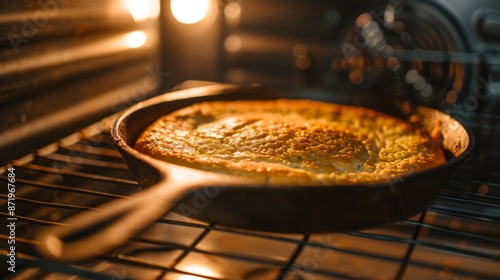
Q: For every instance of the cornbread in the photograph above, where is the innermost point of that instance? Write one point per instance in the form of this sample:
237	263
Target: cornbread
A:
284	141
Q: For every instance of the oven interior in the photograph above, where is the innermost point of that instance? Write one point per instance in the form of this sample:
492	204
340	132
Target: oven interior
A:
70	67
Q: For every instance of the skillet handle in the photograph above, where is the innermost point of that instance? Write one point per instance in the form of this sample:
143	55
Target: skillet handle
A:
96	232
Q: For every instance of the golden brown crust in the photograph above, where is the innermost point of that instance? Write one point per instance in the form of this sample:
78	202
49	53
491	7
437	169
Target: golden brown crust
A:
291	142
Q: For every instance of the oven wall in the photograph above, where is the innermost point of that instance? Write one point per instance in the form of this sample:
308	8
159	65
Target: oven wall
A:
192	51
329	44
64	64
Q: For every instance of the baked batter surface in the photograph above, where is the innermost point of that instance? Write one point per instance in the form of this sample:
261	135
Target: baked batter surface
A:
285	141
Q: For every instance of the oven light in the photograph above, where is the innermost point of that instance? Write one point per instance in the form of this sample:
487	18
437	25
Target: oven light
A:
190	11
135	39
143	9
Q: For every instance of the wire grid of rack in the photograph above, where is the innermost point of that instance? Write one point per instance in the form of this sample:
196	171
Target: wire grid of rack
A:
458	237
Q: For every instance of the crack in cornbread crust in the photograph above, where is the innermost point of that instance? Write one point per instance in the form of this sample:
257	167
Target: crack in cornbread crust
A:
285	141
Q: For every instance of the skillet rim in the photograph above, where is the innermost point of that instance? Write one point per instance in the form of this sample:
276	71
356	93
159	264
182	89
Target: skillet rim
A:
118	135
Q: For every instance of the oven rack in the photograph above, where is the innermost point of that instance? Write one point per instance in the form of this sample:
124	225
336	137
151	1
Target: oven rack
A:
458	237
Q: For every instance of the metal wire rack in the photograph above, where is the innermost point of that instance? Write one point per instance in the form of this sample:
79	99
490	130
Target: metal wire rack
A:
458	237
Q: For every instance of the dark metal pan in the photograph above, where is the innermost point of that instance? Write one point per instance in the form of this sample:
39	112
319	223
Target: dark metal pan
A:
244	202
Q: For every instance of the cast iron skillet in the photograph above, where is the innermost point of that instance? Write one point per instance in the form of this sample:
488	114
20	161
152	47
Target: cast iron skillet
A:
243	202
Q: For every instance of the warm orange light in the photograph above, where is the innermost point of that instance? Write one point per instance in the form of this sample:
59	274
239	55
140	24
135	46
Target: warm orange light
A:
190	11
135	39
356	76
363	20
232	10
200	270
233	43
143	9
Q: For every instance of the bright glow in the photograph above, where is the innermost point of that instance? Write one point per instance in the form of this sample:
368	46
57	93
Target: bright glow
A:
190	11
232	10
233	43
143	9
135	39
190	277
54	245
199	270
